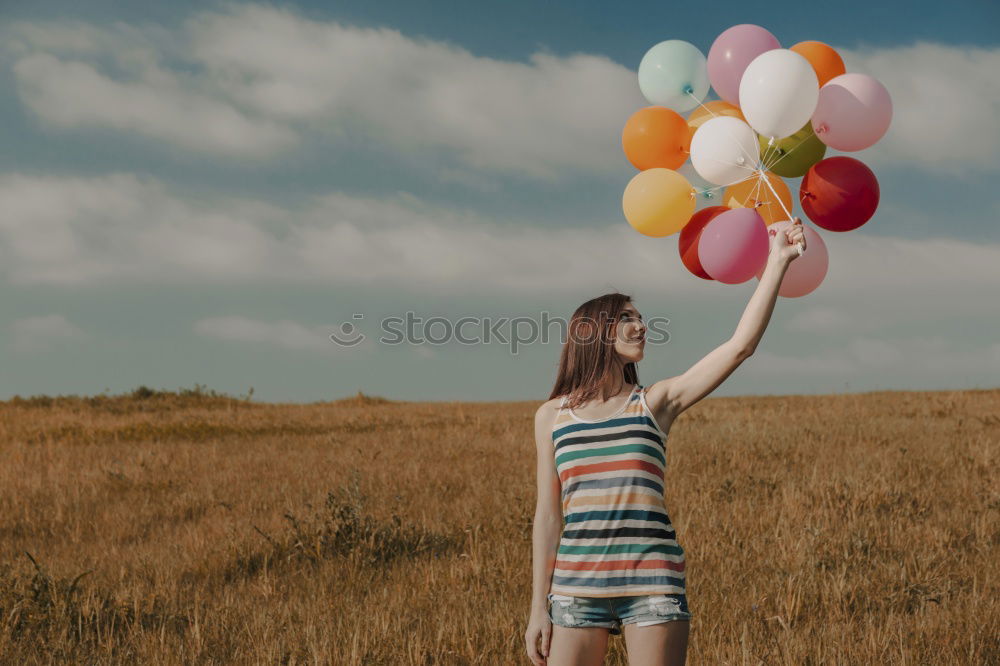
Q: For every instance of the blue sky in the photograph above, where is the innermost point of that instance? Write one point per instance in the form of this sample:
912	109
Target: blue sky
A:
201	193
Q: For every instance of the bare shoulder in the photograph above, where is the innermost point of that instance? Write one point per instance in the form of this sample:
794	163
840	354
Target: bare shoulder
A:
546	412
545	415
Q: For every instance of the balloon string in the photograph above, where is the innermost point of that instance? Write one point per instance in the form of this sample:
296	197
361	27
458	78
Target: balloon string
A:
755	193
715	188
781	157
787	212
700	104
746	153
767	181
759	171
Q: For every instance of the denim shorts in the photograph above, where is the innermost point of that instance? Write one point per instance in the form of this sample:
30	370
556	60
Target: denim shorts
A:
613	612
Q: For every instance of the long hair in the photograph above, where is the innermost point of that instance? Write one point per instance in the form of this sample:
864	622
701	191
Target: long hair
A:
587	363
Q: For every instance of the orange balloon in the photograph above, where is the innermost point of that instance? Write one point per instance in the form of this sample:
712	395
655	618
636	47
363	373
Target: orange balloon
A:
754	193
710	110
824	59
656	137
658	202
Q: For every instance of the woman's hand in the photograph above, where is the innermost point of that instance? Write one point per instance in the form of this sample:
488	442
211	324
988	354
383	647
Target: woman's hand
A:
784	244
538	637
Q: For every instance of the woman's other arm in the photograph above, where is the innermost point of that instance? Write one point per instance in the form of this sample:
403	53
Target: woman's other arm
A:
545	534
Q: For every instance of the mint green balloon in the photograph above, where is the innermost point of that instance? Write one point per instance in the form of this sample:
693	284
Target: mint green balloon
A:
792	156
674	74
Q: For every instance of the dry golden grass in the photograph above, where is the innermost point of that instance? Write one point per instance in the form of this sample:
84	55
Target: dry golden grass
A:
162	528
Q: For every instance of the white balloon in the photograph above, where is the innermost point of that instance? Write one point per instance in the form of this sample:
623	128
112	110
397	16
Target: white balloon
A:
724	150
778	93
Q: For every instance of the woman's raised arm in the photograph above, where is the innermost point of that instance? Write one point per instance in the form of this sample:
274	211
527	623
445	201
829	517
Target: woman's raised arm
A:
669	397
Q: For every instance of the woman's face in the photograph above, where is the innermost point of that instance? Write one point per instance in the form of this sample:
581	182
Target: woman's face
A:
630	335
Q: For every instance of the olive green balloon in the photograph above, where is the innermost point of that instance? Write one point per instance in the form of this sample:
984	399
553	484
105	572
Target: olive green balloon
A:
793	155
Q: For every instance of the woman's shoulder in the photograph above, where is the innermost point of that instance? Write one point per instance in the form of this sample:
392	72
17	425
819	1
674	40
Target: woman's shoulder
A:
549	407
545	415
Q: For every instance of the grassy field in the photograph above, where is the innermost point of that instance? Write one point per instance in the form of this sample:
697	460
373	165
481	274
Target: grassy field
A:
191	527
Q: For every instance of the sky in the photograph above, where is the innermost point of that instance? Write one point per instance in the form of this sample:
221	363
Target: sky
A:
203	192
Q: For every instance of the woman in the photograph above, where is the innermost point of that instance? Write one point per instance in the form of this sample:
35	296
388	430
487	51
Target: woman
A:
605	557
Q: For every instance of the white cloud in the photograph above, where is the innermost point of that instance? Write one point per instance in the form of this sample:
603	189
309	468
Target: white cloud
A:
282	333
42	331
946	104
71	230
538	117
160	106
251	79
120	227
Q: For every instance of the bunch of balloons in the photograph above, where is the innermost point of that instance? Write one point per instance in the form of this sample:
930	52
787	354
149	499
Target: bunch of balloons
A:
778	113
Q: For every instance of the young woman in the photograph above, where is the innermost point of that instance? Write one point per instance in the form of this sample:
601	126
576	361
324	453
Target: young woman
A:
605	556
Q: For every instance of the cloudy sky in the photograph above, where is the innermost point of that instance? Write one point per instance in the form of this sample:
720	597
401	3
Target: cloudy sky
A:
197	192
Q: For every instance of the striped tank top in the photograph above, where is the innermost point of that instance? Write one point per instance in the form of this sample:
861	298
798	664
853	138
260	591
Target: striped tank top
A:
617	539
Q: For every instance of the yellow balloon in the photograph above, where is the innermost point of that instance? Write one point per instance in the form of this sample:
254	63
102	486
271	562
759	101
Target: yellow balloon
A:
754	193
658	202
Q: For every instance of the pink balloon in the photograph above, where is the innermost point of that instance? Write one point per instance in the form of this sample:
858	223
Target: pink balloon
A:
853	112
730	54
806	272
733	245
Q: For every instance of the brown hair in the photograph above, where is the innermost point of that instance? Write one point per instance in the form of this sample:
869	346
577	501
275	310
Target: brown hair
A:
587	363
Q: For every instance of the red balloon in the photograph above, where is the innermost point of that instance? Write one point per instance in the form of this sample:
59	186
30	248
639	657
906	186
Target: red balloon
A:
688	243
839	193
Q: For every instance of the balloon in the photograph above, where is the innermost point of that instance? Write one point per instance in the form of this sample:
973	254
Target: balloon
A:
805	272
724	150
825	61
658	202
778	93
733	245
687	245
710	110
730	54
656	137
839	194
755	193
674	74
853	112
792	156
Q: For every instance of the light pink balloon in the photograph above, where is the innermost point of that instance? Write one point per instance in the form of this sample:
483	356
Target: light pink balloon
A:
806	272
853	112
734	245
730	54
